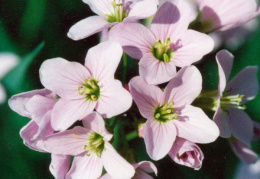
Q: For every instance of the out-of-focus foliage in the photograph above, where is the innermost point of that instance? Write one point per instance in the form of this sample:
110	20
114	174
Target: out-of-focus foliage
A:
24	24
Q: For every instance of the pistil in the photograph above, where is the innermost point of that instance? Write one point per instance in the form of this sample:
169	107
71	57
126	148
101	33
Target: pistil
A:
118	14
90	89
95	144
165	113
161	50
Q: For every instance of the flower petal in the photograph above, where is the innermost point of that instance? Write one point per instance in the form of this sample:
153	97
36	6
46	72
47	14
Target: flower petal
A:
63	77
195	126
225	63
7	62
2	94
147	97
116	165
184	87
159	138
59	165
134	38
88	27
103	59
100	7
69	142
139	174
66	112
245	83
221	118
146	166
85	167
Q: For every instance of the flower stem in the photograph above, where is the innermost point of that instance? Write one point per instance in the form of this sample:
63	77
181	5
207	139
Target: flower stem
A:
131	135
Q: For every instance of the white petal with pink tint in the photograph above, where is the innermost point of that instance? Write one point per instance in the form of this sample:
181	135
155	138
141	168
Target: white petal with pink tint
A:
159	138
116	165
2	94
7	62
66	112
194	125
59	165
221	118
100	7
88	27
146	166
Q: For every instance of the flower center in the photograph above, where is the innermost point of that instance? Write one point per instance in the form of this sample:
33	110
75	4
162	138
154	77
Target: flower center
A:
161	50
234	101
165	113
90	89
118	14
95	144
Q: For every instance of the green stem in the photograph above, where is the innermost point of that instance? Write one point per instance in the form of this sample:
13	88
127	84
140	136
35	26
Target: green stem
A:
131	135
124	68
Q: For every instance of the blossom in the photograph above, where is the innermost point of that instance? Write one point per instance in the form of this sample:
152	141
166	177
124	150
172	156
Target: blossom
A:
186	153
92	151
166	45
36	105
141	170
169	113
83	88
7	62
224	15
109	13
251	171
231	99
59	165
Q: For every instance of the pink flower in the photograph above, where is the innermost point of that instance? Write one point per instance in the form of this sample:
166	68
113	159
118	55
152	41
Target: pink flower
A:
36	105
168	44
83	88
229	116
169	113
92	151
251	171
110	13
243	151
225	14
141	170
59	166
186	153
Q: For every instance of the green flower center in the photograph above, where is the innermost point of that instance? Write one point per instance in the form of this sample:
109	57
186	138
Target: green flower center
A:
90	89
165	113
161	50
118	13
234	101
95	144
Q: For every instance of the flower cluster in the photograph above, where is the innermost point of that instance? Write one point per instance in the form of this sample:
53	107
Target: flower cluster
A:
67	115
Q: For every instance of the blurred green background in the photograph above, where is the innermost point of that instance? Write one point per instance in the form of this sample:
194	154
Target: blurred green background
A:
36	30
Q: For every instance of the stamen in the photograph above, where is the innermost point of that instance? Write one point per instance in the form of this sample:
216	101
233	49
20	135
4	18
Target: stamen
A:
162	51
118	14
90	89
165	113
95	144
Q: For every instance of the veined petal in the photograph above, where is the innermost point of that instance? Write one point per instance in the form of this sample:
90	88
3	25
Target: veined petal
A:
85	167
159	138
225	63
221	118
103	59
146	166
66	112
184	87
88	27
114	99
195	126
59	165
155	72
135	38
171	20
63	77
147	97
192	47
116	165
100	7
245	83
69	142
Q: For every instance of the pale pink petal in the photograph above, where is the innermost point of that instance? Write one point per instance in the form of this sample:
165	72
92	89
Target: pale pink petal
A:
96	123
66	112
221	118
88	27
241	125
139	174
85	167
134	38
159	138
171	20
245	83
155	72
243	151
59	165
116	165
7	62
17	102
256	131
194	125
114	99
140	10
225	62
146	166
2	94
69	142
63	77
147	97
191	47
184	87
103	59
106	176
100	7
251	171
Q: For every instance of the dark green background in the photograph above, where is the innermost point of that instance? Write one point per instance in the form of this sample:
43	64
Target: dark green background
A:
36	30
